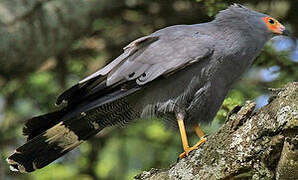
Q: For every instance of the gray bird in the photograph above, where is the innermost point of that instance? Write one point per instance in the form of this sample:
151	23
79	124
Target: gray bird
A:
180	73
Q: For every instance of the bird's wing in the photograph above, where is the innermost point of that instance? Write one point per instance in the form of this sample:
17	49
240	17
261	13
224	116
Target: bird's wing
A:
129	50
97	82
144	60
160	57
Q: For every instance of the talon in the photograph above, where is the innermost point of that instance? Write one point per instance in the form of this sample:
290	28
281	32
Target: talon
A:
182	155
186	152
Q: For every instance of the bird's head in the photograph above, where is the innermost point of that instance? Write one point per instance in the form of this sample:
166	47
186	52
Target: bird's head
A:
274	26
238	17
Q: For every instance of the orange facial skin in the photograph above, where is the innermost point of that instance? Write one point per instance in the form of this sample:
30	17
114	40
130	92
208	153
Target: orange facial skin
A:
273	25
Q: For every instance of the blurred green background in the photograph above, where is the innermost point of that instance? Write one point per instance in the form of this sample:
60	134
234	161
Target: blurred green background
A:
122	153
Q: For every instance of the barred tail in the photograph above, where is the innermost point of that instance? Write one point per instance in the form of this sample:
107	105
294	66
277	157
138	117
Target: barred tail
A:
52	144
52	135
39	124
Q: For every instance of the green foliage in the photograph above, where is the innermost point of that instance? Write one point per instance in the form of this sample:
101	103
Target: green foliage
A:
213	6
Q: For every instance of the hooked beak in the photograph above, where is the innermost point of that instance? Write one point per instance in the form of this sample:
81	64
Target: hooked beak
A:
284	31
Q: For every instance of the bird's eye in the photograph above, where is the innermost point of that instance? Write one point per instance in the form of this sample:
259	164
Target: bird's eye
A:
271	21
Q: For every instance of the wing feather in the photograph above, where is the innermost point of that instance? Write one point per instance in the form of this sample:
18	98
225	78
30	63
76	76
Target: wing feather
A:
144	60
89	85
128	51
161	57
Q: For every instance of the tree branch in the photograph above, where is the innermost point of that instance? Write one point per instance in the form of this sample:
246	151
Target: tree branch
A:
250	145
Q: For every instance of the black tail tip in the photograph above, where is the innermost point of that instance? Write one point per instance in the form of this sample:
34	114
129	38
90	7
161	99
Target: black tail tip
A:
15	166
17	162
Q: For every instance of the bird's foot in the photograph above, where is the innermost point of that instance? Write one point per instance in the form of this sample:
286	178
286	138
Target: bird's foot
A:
189	149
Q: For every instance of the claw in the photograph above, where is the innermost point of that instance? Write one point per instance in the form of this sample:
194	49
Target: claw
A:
188	150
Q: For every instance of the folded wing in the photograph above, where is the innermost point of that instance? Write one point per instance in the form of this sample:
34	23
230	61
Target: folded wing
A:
143	60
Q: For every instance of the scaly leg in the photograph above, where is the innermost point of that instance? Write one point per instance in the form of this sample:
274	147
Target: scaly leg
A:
200	133
183	134
186	147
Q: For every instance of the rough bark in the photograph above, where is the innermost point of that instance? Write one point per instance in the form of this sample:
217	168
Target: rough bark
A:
31	31
250	145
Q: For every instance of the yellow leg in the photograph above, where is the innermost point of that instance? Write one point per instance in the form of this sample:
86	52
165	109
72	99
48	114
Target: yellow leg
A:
186	147
199	131
183	134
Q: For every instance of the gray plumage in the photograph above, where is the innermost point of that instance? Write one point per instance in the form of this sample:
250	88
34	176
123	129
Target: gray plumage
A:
185	69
